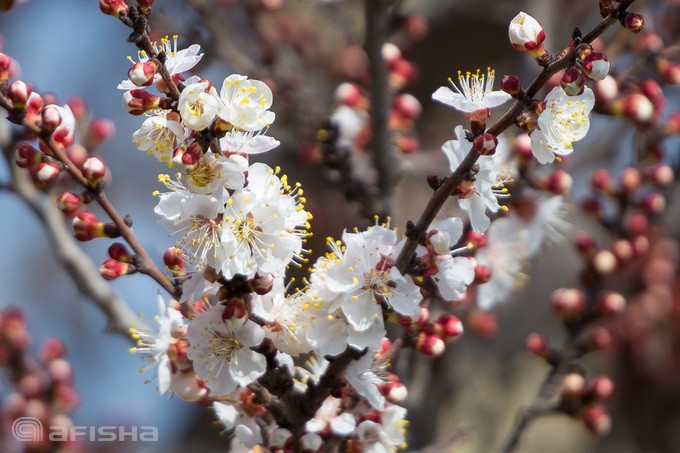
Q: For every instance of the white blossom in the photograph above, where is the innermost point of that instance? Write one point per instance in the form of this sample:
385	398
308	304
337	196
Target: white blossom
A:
159	136
245	103
474	93
564	120
197	106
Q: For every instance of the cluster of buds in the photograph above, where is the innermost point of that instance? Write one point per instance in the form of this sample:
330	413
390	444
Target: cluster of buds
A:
41	387
120	262
431	336
583	400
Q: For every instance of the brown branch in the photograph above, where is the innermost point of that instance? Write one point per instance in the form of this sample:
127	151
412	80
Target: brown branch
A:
385	159
442	194
148	267
76	263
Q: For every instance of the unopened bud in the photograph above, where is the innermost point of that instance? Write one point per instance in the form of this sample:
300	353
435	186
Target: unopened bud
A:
641	246
482	274
572	387
522	146
112	269
585	243
669	71
569	303
601	388
18	92
661	174
235	309
69	203
601	179
44	174
559	182
611	304
483	324
485	144
142	73
5	63
114	8
604	262
77	154
262	284
50	118
623	250
654	203
573	81
407	145
174	261
633	22
634	106
606	90
430	345
526	34
450	327
26	156
86	227
636	224
631	179
94	171
119	252
596	339
597	419
349	94
99	130
511	85
187	159
596	65
52	349
78	107
652	90
537	344
138	101
407	106
672	126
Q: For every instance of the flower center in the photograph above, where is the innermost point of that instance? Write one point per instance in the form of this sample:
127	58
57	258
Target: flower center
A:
474	86
222	346
379	282
204	174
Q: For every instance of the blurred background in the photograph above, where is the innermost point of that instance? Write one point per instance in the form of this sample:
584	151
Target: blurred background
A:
476	389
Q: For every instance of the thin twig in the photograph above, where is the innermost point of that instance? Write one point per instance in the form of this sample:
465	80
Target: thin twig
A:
78	265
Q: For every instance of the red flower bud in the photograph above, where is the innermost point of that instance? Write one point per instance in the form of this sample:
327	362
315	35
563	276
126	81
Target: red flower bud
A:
637	224
573	81
69	203
572	387
138	101
537	344
559	182
482	274
585	243
606	90
142	73
174	261
430	345
114	8
654	203
119	252
485	144
601	179
450	327
112	269
601	388
597	419
44	174
669	71
511	85
634	22
26	155
86	227
611	304
569	303
262	285
5	63
407	106
604	262
596	65
99	130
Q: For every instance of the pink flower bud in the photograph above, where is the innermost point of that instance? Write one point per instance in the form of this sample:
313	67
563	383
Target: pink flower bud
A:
482	274
390	53
349	94
537	344
119	252
559	182
653	91
138	101
601	388
18	92
5	63
669	71
114	8
188	159
51	118
485	144
44	174
86	227
450	327
573	81
631	179
597	419
633	22
604	262
99	130
606	90
585	243
672	126
623	250
637	224
94	171
572	387
235	309
430	345
654	203
407	145
483	324
407	106
78	107
596	65
69	203
26	155
526	34
522	146
641	246
142	73
661	174
611	304
77	154
601	179
569	303
511	85
417	27
52	348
